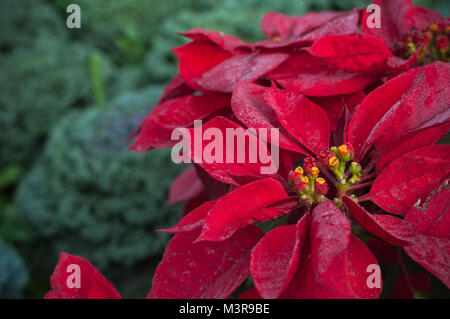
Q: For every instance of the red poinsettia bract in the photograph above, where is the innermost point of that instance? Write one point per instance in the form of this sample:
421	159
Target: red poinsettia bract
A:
358	115
318	257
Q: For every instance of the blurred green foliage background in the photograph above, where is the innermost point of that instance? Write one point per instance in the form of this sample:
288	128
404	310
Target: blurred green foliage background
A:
68	100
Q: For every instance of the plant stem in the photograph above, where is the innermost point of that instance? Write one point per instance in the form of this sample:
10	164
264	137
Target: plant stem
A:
358	186
367	177
96	78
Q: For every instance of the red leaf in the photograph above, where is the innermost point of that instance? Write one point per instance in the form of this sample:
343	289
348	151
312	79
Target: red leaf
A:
227	167
224	76
433	254
424	17
175	89
197	57
193	220
247	204
409	102
397	19
312	76
436	221
276	24
431	222
359	257
365	219
398	65
204	270
157	128
92	283
224	41
336	262
303	30
275	259
187	185
412	141
352	53
208	49
304	120
343	24
330	239
334	107
410	177
250	108
428	230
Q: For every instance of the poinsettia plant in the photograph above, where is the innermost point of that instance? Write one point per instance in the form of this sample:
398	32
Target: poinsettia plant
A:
359	113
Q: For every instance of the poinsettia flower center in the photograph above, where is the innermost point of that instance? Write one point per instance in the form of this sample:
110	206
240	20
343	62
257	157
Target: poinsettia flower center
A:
338	161
433	43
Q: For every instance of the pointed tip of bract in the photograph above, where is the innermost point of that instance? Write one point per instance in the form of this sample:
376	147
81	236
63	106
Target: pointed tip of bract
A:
165	230
206	236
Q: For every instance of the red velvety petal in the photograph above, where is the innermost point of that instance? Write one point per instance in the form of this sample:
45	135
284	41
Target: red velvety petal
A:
431	222
424	17
303	30
221	161
365	219
197	57
187	185
92	283
182	112
312	76
427	228
334	107
276	24
420	108
343	24
223	40
359	257
193	220
412	141
433	254
303	119
195	202
249	67
249	107
254	202
436	221
275	259
352	53
156	129
398	65
410	177
335	264
409	102
330	239
397	19
204	270
208	49
394	226
175	89
373	108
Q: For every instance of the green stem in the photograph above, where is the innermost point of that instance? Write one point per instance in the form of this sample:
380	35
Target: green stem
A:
96	78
